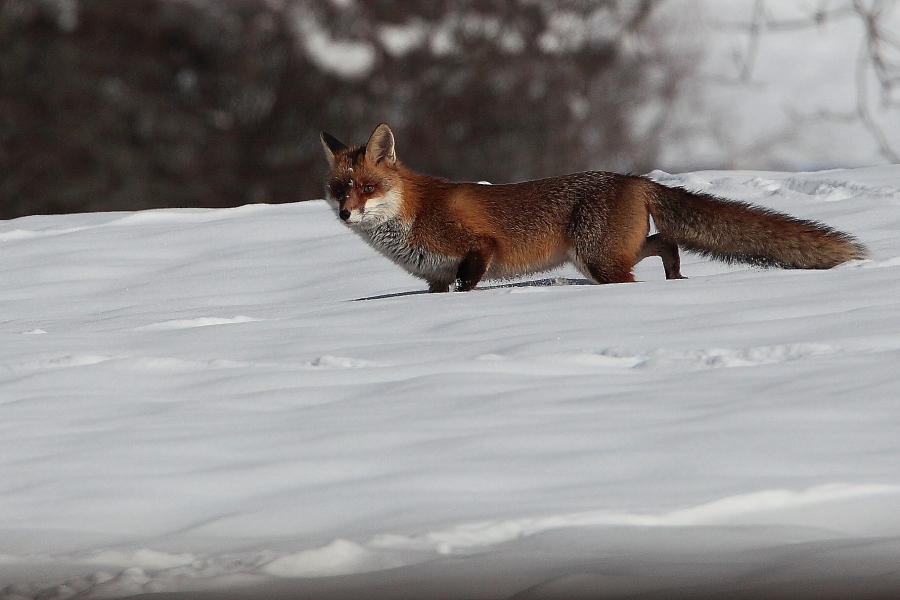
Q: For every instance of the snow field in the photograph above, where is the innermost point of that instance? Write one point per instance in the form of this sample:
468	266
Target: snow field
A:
211	399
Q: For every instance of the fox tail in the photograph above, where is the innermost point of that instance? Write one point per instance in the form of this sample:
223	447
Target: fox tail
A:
737	232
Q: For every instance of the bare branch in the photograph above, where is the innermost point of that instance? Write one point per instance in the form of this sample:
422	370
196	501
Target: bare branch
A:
873	57
862	103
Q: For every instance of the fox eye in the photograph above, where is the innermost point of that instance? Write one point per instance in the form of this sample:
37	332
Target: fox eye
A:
368	189
338	192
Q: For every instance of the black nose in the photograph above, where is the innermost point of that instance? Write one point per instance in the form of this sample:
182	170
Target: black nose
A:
344	214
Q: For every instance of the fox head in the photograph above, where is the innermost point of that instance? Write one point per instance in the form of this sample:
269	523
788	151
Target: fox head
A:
361	184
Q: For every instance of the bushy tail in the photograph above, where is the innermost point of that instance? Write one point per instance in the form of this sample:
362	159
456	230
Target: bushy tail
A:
734	231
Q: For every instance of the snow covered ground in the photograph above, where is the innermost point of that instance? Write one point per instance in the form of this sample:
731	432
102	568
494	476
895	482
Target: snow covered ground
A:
251	398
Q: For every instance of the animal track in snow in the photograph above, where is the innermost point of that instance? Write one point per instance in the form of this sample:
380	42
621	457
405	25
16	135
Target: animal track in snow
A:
176	365
339	362
710	358
72	360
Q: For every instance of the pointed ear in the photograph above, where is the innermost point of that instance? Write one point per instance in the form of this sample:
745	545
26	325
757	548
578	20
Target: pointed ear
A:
381	147
331	145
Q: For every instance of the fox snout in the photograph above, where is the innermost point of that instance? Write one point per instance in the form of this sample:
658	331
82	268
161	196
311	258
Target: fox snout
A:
351	209
366	204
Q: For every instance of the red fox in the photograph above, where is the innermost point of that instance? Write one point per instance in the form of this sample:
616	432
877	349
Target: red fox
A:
461	233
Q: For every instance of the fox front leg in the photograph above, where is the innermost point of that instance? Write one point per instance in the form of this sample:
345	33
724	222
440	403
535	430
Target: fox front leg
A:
474	265
436	287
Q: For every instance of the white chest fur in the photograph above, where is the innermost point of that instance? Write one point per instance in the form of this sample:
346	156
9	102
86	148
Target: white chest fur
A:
391	238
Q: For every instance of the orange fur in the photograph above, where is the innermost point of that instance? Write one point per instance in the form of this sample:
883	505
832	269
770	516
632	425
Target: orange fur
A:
462	232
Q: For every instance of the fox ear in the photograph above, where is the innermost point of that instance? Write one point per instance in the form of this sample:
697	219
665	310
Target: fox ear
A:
331	145
381	147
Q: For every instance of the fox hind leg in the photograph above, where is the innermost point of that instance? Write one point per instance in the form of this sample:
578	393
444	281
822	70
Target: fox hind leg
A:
656	245
600	264
606	242
606	271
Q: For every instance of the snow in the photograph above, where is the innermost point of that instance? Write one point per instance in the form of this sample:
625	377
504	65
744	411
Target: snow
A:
252	398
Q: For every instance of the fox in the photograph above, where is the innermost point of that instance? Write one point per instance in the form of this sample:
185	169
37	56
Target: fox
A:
458	234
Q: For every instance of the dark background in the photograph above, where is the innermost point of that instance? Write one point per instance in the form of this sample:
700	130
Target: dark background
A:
125	105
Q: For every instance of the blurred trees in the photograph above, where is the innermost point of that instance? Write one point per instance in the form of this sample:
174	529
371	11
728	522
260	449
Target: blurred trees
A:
106	104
